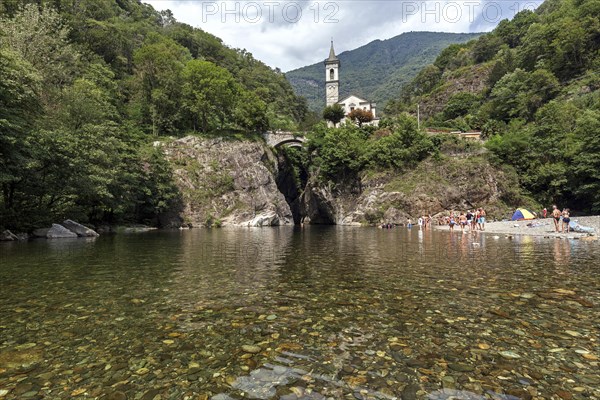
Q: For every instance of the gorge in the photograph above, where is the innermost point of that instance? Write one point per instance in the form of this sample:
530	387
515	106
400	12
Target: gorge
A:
225	182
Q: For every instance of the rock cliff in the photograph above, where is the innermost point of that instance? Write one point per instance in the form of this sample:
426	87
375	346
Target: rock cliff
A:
434	187
245	183
225	182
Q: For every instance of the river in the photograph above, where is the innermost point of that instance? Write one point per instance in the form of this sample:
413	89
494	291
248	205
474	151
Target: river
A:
300	313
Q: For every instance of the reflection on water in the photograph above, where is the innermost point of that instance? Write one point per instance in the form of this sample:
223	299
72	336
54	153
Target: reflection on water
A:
300	314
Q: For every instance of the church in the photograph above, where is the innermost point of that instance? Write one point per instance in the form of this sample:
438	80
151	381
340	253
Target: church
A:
332	90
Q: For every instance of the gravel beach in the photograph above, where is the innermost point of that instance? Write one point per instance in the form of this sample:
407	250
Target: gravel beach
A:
542	227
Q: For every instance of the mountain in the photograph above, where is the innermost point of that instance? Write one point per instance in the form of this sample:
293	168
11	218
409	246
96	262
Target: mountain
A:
532	87
378	70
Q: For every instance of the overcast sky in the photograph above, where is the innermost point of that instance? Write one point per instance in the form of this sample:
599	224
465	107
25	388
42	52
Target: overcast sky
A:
289	34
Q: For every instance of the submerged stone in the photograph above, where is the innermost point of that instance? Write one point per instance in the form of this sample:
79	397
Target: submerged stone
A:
251	348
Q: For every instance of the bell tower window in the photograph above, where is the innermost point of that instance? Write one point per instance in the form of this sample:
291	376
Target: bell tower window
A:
331	74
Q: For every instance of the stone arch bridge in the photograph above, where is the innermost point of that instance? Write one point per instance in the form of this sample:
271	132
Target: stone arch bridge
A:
281	138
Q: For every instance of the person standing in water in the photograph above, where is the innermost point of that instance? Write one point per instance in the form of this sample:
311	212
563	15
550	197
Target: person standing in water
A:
463	222
556	215
482	220
469	219
566	214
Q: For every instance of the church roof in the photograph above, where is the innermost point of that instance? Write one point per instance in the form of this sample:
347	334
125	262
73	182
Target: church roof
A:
360	100
332	56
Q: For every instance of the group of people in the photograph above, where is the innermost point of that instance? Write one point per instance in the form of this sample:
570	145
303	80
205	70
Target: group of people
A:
424	222
471	220
561	219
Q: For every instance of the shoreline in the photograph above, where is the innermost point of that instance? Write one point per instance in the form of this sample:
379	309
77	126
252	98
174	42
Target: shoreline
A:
545	229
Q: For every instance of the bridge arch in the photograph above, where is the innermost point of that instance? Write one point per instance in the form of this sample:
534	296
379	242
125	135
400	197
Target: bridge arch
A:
278	139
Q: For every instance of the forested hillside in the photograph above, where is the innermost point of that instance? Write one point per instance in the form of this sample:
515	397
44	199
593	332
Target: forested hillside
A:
378	70
532	86
86	86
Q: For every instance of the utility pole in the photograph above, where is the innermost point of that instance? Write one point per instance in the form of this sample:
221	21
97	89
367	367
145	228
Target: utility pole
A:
418	116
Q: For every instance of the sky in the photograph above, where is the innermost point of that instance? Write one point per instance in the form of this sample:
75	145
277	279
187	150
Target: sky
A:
290	34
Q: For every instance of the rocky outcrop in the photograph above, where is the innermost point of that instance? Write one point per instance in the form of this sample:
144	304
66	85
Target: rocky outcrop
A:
432	188
225	182
318	205
79	229
68	229
40	233
8	236
59	232
243	183
471	79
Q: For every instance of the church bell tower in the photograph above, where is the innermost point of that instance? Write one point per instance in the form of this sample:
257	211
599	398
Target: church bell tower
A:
332	82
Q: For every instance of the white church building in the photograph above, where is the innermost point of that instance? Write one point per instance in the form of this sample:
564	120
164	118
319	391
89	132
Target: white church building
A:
332	90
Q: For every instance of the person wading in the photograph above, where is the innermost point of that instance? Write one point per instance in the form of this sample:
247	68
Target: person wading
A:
566	214
556	215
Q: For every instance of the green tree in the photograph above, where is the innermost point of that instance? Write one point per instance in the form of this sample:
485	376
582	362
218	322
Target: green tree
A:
460	104
512	31
42	38
250	111
486	47
521	93
571	48
447	57
159	65
85	103
586	162
19	108
334	114
536	48
403	147
340	153
209	94
427	79
505	63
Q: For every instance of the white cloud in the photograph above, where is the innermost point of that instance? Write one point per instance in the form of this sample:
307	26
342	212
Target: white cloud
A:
292	33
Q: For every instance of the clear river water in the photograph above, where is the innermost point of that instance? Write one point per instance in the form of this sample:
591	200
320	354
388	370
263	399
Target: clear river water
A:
300	313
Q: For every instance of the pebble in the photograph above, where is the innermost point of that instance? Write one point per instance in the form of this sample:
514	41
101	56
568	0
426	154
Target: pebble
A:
78	392
461	367
564	395
25	346
509	354
565	292
410	392
253	349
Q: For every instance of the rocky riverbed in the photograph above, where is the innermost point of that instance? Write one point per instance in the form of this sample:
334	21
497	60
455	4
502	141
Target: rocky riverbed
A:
326	313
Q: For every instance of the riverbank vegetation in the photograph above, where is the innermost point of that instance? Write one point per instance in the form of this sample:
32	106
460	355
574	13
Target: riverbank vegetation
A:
532	87
86	86
400	158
